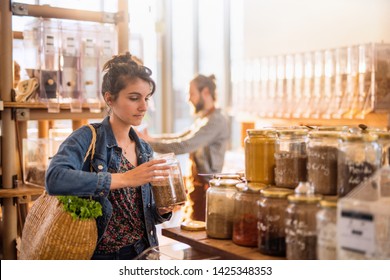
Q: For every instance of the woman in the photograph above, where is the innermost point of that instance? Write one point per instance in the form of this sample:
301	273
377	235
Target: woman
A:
122	166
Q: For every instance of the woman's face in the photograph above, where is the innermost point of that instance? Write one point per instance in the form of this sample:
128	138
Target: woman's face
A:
132	102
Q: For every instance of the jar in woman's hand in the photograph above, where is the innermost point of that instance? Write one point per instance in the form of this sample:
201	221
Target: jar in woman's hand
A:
169	190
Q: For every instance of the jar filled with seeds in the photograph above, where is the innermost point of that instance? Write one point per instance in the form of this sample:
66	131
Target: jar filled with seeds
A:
259	155
170	190
271	221
322	161
327	230
359	156
245	213
220	206
290	157
301	231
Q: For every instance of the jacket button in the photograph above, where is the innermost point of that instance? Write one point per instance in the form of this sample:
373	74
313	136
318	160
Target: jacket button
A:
100	167
151	232
148	205
101	194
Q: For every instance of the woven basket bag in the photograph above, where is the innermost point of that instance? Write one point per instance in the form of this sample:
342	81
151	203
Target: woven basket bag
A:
50	233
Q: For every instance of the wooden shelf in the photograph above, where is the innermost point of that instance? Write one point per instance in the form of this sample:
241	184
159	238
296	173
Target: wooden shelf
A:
372	120
226	249
24	193
39	111
40	105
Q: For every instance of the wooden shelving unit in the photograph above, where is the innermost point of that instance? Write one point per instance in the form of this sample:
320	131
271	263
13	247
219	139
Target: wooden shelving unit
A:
14	116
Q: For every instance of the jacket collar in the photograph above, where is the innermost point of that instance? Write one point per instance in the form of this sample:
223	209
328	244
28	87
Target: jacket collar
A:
111	141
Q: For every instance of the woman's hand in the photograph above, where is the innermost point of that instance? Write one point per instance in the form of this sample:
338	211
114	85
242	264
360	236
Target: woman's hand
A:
151	171
164	210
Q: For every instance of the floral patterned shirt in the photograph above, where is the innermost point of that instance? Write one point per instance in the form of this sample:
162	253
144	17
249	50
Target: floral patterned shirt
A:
126	225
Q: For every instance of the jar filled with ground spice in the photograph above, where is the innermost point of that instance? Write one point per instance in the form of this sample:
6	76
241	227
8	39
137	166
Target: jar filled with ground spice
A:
322	161
220	206
245	213
170	190
327	230
290	157
359	156
259	155
271	212
301	231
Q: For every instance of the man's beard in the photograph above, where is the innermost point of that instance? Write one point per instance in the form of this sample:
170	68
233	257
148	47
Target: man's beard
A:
199	106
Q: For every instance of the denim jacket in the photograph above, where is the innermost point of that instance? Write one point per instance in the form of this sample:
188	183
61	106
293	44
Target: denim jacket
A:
68	174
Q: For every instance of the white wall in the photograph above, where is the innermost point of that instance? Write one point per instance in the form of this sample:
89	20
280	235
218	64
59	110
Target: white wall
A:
274	27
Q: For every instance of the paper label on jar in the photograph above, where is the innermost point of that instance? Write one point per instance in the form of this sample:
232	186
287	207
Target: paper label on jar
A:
357	232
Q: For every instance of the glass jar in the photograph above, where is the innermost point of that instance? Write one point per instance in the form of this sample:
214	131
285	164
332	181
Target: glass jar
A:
322	161
245	214
169	190
327	230
384	142
359	157
220	207
301	231
271	209
259	155
290	157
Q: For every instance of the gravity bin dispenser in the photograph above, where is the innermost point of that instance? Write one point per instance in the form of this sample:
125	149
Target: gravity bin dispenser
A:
42	42
90	85
67	58
70	73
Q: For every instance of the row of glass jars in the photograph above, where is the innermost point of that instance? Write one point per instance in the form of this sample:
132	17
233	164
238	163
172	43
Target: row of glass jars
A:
334	161
275	220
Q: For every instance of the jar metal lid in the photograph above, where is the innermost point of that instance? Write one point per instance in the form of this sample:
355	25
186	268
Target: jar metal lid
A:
328	203
193	225
383	135
324	134
276	192
365	137
251	187
270	132
335	128
292	132
220	182
304	198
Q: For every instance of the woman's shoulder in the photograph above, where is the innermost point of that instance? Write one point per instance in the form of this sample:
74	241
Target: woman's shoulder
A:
146	146
81	132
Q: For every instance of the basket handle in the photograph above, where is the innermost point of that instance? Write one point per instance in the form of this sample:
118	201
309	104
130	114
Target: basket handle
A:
91	148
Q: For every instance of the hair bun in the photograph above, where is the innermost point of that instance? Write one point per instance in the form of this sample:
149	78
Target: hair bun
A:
212	77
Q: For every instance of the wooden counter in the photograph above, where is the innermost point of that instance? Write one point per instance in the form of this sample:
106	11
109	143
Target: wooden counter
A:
226	249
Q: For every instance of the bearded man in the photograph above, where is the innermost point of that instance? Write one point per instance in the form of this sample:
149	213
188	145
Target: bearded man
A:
205	140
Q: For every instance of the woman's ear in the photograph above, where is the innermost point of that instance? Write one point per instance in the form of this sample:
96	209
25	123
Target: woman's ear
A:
108	98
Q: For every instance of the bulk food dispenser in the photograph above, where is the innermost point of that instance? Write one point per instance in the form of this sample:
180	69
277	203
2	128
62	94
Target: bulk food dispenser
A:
90	84
44	38
70	66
